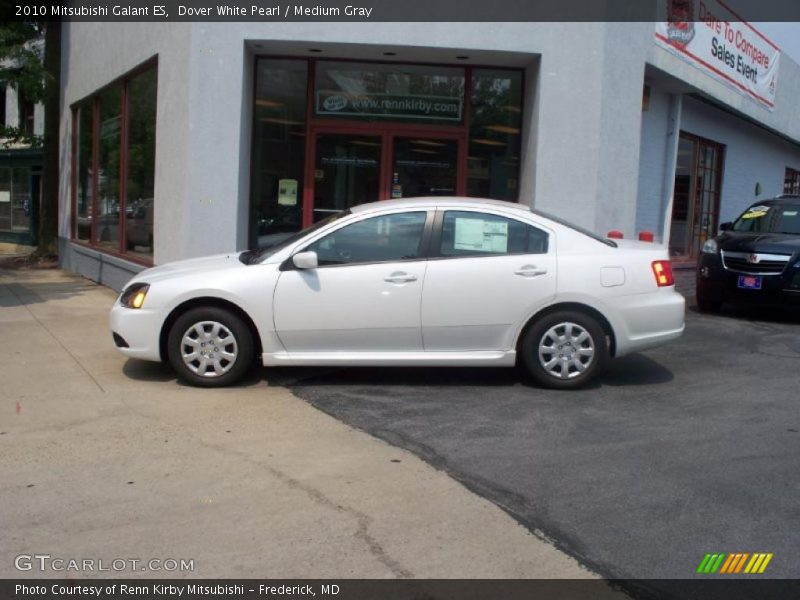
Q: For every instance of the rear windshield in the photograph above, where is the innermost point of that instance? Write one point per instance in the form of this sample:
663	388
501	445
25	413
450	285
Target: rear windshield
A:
577	228
770	218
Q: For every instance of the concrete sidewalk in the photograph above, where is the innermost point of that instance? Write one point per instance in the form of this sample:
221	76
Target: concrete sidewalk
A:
104	458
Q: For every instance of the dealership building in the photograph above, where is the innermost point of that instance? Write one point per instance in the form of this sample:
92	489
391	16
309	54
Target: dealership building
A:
186	139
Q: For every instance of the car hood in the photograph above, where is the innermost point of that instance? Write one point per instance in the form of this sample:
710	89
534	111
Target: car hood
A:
179	268
768	243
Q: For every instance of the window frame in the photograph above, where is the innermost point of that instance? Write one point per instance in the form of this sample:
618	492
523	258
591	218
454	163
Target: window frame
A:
791	181
436	241
93	101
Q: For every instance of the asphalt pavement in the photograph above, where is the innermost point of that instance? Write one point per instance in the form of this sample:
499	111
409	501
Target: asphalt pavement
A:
674	453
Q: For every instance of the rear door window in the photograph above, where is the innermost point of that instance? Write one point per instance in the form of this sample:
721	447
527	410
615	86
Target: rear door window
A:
467	233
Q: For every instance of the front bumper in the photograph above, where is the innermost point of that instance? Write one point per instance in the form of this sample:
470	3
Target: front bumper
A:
140	329
719	284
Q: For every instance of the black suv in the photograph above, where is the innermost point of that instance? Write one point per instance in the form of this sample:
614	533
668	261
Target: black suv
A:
755	258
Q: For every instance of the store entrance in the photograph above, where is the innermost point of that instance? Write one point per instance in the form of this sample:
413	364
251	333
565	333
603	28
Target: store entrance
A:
351	167
695	207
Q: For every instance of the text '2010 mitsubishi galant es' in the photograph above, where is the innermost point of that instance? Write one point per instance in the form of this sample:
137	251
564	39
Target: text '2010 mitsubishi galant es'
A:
426	281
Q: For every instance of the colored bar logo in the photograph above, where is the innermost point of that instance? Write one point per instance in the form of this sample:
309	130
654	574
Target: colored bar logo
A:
733	564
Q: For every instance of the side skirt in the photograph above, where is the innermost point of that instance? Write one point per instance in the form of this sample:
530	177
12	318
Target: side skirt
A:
497	358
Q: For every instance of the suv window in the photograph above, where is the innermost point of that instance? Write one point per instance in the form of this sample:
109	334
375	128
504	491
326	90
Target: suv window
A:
379	239
770	218
467	233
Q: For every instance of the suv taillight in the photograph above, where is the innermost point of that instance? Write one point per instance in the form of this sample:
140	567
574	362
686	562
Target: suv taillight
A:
662	269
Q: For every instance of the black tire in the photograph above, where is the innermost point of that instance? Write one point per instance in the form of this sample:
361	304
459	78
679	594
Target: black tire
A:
574	353
241	347
706	302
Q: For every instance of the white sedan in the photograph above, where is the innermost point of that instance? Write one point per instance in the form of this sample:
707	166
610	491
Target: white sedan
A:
427	281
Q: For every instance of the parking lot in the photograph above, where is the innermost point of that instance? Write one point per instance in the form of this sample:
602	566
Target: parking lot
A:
673	453
687	449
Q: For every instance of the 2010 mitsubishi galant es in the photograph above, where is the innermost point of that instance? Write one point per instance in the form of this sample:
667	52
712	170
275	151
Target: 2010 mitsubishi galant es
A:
426	281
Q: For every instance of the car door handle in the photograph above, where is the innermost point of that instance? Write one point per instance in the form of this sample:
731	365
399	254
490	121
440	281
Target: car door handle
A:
530	271
400	278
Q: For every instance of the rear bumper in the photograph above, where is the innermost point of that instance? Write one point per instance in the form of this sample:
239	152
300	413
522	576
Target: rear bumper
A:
648	320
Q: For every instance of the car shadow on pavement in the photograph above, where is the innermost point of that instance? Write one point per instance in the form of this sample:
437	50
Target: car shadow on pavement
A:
145	370
766	313
636	369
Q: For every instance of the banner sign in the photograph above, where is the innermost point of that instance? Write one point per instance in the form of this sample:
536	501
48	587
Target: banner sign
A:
710	36
390	106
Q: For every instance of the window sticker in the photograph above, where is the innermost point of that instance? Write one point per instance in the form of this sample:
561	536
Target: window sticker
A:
287	192
790	213
5	196
481	236
755	212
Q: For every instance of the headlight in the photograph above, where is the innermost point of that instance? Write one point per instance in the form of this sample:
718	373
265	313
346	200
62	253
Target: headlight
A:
710	247
133	296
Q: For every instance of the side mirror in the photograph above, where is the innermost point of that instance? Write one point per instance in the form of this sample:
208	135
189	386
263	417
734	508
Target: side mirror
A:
305	260
727	226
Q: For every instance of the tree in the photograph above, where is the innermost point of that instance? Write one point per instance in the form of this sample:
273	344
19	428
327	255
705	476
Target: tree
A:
36	78
21	67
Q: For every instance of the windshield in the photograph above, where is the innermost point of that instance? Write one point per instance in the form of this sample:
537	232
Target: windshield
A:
772	218
256	256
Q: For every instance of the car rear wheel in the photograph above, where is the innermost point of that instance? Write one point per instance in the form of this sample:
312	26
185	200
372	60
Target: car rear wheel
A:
564	350
210	347
706	302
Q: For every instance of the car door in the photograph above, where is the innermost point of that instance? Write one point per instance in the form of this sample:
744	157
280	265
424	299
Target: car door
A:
486	275
364	296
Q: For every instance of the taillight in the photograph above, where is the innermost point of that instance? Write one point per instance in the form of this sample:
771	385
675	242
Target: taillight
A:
662	269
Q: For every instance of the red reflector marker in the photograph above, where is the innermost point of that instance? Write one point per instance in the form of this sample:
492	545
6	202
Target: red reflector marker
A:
662	269
646	236
614	234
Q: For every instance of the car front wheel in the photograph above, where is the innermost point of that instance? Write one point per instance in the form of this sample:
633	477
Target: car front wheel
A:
564	350
210	347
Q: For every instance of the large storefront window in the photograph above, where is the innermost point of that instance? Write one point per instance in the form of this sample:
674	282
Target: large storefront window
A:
279	149
410	93
332	134
16	199
495	134
83	191
114	167
141	163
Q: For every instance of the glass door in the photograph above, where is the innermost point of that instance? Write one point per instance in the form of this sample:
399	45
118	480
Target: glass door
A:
695	206
347	172
424	166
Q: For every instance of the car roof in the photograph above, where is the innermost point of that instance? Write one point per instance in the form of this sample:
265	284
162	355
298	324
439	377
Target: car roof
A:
429	201
782	199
